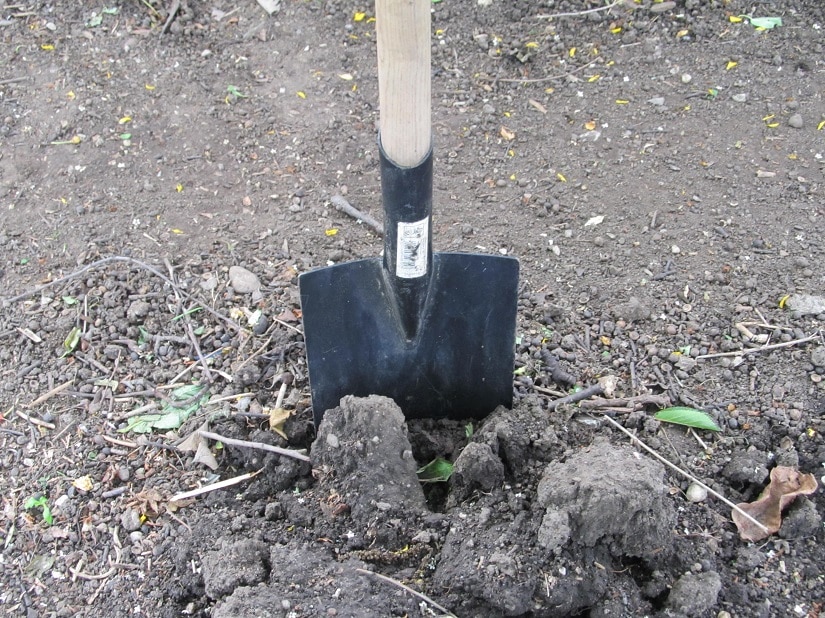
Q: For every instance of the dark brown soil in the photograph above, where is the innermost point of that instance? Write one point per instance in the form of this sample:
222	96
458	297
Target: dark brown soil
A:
658	172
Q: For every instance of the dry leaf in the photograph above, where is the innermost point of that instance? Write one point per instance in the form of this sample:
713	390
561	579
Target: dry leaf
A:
507	133
277	418
538	106
195	442
786	484
83	483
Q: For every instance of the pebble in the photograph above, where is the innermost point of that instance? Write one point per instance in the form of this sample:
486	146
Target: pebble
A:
687	78
696	493
130	520
138	310
663	6
741	97
243	281
795	121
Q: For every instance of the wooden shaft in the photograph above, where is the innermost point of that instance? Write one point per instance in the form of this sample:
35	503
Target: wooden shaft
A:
403	33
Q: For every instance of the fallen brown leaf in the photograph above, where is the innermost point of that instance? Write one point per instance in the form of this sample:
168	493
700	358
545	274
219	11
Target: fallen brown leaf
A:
786	484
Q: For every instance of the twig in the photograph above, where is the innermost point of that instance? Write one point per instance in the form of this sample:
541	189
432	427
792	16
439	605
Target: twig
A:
547	391
201	358
49	394
630	402
279	400
13	80
764	348
344	206
173	11
125	443
34	421
580	13
121	258
214	486
549	78
258	445
590	391
256	353
687	475
406	588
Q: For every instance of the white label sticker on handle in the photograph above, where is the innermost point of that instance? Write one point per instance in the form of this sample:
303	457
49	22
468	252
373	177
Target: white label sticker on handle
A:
413	246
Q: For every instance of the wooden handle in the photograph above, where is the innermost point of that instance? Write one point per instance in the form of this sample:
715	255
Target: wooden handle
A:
403	33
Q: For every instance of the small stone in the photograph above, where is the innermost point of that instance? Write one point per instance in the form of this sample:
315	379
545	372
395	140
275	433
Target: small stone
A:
741	97
694	594
130	520
138	310
273	511
696	493
663	6
658	101
675	250
818	356
687	78
332	441
243	281
795	121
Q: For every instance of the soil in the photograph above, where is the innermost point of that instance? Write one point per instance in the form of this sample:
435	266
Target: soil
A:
659	175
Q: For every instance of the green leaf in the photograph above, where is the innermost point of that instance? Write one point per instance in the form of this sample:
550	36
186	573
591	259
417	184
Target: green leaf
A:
42	503
95	21
183	402
71	341
233	90
125	136
468	430
34	502
110	11
47	515
70	300
768	23
437	471
185	313
689	417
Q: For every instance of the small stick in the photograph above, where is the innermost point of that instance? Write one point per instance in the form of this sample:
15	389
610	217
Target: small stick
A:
549	78
48	395
256	353
279	400
206	373
657	400
687	475
34	421
13	80
173	11
580	13
214	486
547	391
258	445
406	588
125	443
764	348
344	206
114	493
590	391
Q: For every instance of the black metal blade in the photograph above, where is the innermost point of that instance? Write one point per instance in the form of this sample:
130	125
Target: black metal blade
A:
458	365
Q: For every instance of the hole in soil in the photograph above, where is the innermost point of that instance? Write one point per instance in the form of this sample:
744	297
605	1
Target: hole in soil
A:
431	438
652	585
